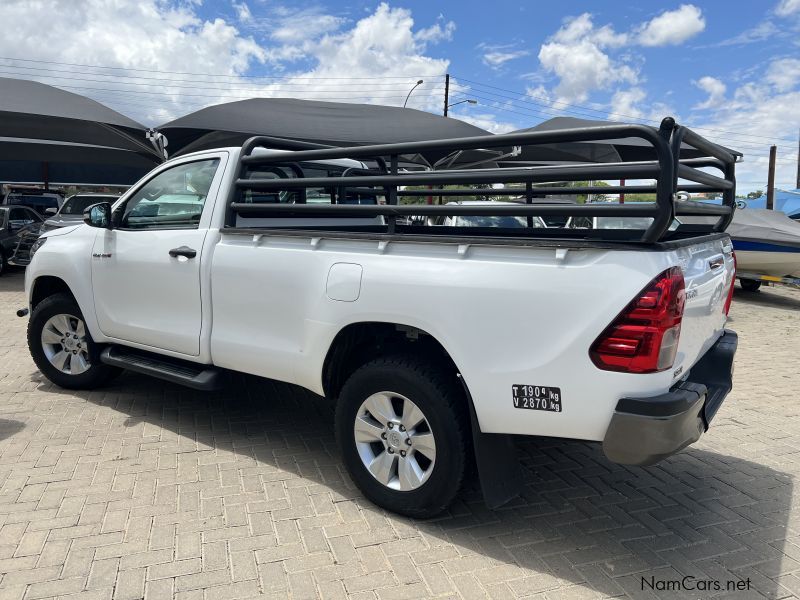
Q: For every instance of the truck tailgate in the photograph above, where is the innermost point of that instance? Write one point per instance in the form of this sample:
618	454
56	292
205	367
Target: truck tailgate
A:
708	271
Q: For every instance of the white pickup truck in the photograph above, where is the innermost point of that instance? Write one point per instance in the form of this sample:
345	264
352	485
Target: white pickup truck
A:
438	344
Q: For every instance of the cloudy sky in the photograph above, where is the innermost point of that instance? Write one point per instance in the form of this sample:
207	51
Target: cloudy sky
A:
732	70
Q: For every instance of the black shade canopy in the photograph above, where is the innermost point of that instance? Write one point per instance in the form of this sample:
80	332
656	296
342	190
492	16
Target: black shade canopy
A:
616	150
327	123
41	124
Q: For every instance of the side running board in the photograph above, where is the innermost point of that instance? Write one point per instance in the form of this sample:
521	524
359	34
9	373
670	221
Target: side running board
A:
197	376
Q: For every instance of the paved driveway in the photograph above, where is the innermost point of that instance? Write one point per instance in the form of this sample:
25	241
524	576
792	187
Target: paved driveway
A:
148	489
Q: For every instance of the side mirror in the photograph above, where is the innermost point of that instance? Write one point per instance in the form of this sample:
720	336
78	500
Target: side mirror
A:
51	211
98	215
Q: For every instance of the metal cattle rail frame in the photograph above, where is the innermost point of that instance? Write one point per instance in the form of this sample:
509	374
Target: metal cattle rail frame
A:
387	179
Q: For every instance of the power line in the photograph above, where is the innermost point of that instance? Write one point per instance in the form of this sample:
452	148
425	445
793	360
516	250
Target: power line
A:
730	139
242	89
218	96
591	109
171	82
229	76
537	113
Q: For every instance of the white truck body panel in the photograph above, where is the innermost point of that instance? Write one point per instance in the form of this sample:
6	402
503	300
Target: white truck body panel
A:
268	305
465	301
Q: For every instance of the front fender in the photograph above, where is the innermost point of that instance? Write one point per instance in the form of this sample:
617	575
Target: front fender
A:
66	255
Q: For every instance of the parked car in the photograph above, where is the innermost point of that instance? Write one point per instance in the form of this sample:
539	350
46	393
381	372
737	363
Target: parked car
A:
436	343
15	221
71	211
39	201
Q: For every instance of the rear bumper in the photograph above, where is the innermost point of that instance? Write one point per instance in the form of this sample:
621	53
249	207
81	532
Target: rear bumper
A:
644	431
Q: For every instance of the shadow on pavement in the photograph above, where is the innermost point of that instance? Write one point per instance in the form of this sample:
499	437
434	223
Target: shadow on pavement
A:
581	520
9	427
767	296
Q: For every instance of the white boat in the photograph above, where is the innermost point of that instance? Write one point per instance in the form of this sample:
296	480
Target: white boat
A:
767	242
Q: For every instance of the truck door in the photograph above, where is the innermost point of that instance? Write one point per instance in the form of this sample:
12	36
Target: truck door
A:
146	271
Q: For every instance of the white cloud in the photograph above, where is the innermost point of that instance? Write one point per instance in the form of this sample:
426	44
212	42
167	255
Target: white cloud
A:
784	74
497	58
161	37
436	33
672	27
715	90
487	121
625	104
243	11
539	93
755	116
578	28
381	44
576	54
296	26
761	31
786	8
128	34
582	55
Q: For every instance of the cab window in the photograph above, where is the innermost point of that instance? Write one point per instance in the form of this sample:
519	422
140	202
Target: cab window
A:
173	199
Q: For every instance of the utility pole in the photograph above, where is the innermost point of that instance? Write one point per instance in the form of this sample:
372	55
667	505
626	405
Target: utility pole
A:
771	178
446	92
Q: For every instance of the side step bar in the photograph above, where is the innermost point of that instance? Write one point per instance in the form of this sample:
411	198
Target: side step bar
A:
197	376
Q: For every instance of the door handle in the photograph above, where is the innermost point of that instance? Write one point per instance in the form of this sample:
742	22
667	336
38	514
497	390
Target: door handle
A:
716	263
183	251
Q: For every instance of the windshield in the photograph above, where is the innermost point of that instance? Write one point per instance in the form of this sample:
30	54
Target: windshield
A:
494	221
77	204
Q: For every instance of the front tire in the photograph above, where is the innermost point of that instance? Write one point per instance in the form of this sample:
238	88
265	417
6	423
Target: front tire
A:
63	348
403	432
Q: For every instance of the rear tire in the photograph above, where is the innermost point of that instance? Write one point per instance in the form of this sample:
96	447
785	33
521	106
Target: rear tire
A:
63	348
3	263
750	285
397	406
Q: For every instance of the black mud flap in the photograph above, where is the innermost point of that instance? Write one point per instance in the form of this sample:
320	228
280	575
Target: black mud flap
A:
496	458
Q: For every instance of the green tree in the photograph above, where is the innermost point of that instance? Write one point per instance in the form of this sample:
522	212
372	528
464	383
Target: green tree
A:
756	194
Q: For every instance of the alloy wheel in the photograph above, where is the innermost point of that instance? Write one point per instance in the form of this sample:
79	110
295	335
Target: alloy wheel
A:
65	345
394	441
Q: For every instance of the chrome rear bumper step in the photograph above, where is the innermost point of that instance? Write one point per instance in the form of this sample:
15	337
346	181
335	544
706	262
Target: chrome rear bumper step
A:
196	376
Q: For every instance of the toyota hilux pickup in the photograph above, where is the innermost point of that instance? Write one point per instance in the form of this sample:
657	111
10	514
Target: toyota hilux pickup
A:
438	344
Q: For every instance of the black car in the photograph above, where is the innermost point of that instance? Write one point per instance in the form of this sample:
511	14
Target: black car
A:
16	222
43	203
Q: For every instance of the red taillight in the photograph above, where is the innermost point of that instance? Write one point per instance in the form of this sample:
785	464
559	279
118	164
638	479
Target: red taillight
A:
730	290
644	337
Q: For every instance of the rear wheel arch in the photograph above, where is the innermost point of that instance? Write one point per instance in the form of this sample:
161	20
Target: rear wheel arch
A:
358	343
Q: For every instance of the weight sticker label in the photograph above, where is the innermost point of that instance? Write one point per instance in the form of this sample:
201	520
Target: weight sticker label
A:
536	397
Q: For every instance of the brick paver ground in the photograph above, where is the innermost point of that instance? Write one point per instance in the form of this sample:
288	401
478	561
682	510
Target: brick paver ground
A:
146	489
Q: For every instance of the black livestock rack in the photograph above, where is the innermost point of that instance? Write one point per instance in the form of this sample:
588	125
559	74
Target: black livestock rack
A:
256	196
